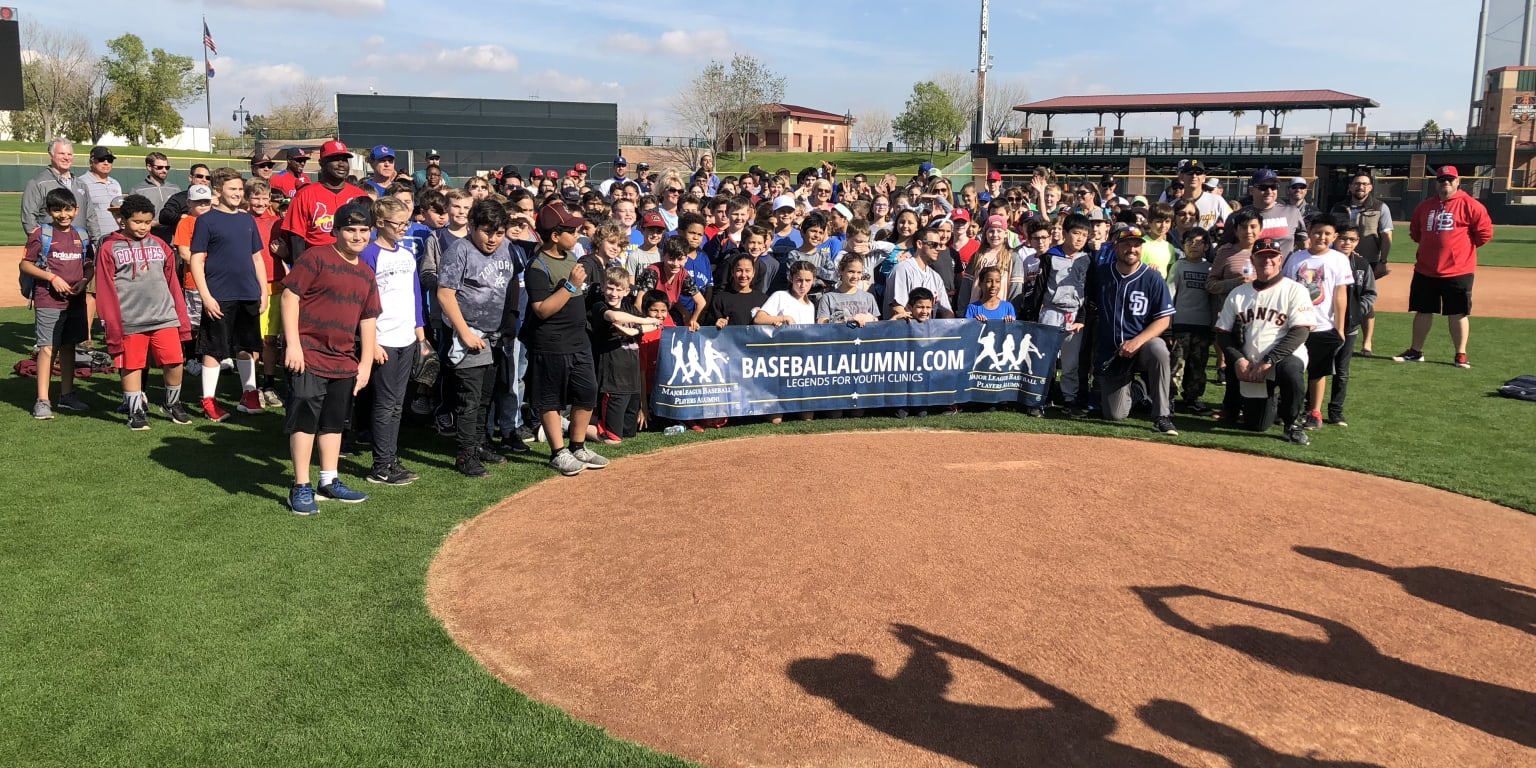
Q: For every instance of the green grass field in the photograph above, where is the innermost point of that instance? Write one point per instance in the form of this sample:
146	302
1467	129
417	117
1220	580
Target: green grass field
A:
874	164
163	608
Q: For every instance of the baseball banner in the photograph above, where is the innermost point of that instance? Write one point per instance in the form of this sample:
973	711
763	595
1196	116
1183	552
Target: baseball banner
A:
760	370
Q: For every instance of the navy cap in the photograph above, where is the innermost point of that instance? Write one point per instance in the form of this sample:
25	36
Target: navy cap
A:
1264	176
620	160
1266	245
925	167
380	152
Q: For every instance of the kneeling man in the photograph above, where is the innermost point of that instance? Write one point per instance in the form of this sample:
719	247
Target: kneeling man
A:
1263	330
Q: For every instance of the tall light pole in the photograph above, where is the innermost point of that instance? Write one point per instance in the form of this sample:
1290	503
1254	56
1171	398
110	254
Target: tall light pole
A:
243	117
1477	67
978	128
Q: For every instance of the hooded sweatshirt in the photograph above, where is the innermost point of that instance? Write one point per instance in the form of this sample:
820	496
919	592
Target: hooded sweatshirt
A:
1449	232
137	290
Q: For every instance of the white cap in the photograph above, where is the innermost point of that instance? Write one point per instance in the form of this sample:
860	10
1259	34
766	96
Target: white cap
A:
199	192
1298	181
784	201
1212	183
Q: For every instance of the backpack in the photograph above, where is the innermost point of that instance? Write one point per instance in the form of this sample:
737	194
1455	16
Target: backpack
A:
1520	388
28	282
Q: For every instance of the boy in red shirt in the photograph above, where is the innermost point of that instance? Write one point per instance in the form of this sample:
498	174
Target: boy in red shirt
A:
258	199
58	299
330	312
141	303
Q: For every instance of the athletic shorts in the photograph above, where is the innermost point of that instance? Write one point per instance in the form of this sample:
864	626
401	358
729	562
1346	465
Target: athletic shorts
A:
272	319
239	330
166	344
1440	295
60	327
319	406
1322	348
557	381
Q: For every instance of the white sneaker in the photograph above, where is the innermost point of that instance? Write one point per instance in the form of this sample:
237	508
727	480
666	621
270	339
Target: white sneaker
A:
590	458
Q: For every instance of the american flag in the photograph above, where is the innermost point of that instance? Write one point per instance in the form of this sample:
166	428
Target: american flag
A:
208	40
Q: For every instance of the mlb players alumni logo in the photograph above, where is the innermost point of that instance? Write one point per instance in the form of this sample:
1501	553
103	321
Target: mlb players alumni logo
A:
760	370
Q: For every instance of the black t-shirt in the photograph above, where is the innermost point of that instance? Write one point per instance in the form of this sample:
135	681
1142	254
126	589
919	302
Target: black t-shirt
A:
618	355
736	308
564	332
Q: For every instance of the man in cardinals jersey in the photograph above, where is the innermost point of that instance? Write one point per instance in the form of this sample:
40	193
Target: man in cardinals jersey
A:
312	213
1449	229
1262	330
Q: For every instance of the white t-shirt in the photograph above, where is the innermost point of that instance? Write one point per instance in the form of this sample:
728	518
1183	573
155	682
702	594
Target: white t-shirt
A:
1320	275
1213	209
1262	318
782	304
395	274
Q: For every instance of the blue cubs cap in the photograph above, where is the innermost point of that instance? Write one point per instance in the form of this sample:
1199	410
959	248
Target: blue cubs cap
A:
380	152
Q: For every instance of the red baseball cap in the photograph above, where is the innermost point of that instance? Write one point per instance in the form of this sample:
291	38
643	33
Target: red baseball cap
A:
572	173
994	176
538	173
1448	171
960	214
333	148
652	220
581	167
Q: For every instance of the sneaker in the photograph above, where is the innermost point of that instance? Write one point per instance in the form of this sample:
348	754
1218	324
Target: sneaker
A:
421	406
1366	352
1336	420
525	433
393	474
226	365
337	491
589	457
1297	434
1312	421
138	420
212	410
1076	410
1198	408
469	466
445	425
901	413
42	411
1410	356
488	456
176	412
122	408
72	402
1221	377
301	500
514	444
250	402
1164	426
1038	413
565	463
270	398
1461	360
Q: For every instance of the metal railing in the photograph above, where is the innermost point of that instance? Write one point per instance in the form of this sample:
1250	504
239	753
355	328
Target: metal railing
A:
635	140
1390	141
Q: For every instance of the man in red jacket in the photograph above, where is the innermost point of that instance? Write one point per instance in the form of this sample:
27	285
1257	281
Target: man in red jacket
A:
1449	229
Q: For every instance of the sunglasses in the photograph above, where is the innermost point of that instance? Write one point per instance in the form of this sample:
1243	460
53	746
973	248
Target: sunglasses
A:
267	165
201	176
1298	186
931	243
673	191
1266	188
299	160
160	167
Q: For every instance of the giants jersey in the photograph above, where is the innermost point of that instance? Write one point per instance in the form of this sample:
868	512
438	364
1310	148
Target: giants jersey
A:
1259	319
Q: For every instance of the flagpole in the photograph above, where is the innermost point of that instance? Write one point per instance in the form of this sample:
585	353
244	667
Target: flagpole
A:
207	95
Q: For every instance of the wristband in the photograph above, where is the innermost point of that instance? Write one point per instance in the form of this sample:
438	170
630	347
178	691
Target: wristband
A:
570	287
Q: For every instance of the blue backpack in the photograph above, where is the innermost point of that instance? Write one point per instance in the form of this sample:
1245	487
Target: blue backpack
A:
28	282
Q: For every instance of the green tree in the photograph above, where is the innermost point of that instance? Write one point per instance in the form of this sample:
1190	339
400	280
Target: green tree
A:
1431	126
147	87
930	119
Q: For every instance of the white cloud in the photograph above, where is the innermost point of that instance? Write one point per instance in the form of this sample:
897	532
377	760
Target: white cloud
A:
373	42
681	43
482	58
331	7
554	84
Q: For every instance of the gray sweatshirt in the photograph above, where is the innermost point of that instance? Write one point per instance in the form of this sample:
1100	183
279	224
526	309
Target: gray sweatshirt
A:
1191	302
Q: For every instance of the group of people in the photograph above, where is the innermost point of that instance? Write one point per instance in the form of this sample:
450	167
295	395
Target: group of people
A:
508	310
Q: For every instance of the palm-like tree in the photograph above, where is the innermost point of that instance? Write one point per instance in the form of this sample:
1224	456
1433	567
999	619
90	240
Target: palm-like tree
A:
1237	114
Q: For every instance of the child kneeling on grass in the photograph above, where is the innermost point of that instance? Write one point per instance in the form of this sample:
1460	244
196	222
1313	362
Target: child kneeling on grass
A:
58	260
330	315
140	301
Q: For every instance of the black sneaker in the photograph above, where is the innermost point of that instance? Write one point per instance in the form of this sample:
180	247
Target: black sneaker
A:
1164	426
1297	434
525	433
469	466
488	456
1196	407
514	444
393	474
176	412
1312	421
1410	356
138	420
1336	419
1038	413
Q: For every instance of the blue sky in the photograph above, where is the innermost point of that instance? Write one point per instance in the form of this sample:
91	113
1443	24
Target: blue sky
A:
836	56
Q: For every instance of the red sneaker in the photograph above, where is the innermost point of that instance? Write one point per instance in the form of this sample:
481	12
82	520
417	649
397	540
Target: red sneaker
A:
212	410
250	402
1461	361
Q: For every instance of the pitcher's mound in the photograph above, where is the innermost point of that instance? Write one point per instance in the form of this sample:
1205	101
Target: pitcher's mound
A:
904	598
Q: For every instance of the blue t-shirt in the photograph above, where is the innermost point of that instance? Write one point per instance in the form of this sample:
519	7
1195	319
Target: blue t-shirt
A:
415	239
1127	305
979	311
792	240
230	240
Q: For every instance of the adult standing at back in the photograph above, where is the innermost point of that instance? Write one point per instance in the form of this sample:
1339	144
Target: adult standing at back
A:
707	167
157	187
1449	229
100	190
177	205
1373	219
61	158
292	178
312	214
1281	222
434	160
1213	209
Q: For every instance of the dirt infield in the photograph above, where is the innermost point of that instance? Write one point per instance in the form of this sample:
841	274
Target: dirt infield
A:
1500	291
919	598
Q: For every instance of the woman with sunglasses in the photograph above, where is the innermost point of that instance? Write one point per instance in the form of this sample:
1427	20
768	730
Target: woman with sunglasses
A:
478	189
